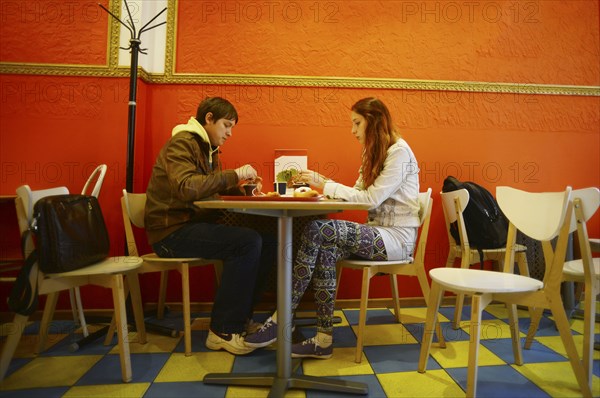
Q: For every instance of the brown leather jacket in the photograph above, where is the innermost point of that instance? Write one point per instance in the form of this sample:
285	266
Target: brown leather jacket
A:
181	175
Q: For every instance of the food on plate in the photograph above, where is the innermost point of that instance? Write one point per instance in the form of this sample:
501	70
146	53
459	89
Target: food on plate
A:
305	192
273	194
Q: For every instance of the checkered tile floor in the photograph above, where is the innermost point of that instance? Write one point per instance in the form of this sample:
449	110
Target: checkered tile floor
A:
389	365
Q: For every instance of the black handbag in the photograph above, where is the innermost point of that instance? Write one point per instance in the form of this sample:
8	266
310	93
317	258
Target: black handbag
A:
70	232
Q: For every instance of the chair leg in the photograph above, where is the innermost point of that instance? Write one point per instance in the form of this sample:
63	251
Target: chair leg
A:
513	321
564	328
111	331
535	315
118	292
522	263
435	298
478	303
79	309
338	278
13	336
133	283
589	321
47	317
187	322
460	297
162	294
395	296
362	317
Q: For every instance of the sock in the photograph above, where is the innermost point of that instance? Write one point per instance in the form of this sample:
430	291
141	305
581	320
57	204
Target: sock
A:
274	317
324	339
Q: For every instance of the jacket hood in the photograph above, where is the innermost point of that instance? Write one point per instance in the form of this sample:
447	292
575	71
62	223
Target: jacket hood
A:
193	126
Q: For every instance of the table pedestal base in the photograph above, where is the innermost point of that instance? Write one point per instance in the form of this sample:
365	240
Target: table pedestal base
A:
280	385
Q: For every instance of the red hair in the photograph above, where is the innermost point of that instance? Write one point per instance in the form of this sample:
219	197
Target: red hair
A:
380	134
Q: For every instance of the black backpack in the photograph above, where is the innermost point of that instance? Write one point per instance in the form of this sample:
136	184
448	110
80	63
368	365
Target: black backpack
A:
485	223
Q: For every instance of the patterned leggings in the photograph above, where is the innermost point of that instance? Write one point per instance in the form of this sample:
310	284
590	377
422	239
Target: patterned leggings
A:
323	243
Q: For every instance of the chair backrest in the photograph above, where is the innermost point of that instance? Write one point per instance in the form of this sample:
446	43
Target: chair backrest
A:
425	206
538	215
585	204
424	198
453	205
132	206
589	199
542	216
98	175
26	199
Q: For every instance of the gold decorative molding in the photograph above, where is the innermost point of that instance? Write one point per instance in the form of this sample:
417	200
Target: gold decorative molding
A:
9	68
377	83
114	34
298	81
112	69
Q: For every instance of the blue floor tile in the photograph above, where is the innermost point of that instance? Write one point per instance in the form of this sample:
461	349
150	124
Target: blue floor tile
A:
145	368
185	389
396	358
499	382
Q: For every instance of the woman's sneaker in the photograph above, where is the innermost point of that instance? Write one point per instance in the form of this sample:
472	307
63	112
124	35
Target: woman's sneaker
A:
265	335
252	326
233	343
311	349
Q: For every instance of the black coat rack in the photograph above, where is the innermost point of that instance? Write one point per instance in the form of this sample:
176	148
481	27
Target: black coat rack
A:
134	47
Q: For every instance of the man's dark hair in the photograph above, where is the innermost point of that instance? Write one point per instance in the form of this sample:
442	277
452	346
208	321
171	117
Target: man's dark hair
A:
219	107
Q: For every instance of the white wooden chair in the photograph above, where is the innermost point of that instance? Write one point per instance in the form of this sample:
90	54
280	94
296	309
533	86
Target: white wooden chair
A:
543	217
392	268
585	270
454	204
132	205
96	178
107	273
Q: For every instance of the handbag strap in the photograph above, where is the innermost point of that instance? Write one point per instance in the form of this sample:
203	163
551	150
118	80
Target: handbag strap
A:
23	298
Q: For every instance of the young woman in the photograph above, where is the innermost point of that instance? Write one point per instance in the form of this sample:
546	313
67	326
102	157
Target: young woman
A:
389	181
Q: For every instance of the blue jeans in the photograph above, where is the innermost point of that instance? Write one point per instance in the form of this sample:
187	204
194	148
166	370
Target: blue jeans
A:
247	259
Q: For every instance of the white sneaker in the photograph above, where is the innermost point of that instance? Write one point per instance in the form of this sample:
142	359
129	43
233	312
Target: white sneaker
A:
233	343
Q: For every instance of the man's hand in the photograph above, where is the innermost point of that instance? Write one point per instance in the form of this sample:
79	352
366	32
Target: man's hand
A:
246	173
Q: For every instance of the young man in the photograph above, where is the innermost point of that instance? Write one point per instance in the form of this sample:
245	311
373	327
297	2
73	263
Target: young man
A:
187	169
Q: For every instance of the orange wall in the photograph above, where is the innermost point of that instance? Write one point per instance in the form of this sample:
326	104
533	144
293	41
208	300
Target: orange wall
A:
55	129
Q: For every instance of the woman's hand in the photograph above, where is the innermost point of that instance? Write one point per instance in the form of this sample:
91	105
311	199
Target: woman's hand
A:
313	179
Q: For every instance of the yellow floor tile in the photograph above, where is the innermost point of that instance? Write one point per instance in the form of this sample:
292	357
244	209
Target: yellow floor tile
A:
27	346
555	343
254	392
394	333
456	355
490	330
433	383
563	379
41	372
500	311
195	367
154	343
416	315
134	341
125	390
577	325
341	364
